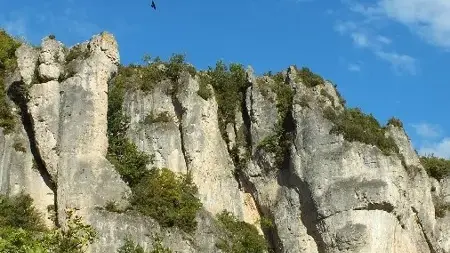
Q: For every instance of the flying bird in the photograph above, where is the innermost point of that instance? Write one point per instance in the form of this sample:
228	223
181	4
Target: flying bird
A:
153	5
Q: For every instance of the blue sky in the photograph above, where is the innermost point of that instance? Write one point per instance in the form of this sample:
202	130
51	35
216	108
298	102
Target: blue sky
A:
388	57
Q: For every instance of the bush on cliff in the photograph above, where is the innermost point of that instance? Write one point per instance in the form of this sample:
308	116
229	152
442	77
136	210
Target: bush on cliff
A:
168	198
8	62
159	193
130	247
436	167
22	230
355	125
239	236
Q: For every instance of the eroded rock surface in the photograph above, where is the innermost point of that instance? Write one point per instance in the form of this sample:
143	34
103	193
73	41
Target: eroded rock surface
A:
324	194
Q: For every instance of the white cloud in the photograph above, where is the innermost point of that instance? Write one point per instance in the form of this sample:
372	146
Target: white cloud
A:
354	67
400	63
383	39
439	149
429	18
360	39
365	34
426	130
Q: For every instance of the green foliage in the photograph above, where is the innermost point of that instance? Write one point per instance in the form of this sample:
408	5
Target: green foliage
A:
122	153
52	36
203	90
162	117
160	194
229	83
130	247
74	239
77	52
168	198
111	206
240	237
18	211
18	146
436	167
278	143
176	66
325	93
266	223
354	125
22	230
309	78
395	122
8	62
154	71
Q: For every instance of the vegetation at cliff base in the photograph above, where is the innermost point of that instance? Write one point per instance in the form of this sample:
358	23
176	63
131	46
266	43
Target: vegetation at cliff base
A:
8	62
22	229
240	237
436	167
161	194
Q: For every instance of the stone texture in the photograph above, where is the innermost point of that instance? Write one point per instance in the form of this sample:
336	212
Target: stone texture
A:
328	196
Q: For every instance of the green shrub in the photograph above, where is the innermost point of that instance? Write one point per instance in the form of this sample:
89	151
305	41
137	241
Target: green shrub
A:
18	212
122	153
436	167
354	125
278	143
18	146
168	198
8	62
239	236
395	122
229	83
22	230
77	52
52	36
325	93
203	90
75	239
309	78
130	247
160	194
162	117
154	71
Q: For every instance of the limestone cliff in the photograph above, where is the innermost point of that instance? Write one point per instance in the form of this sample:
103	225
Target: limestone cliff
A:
276	154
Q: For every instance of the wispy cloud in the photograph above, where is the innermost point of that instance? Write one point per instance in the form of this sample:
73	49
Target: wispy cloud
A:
430	19
426	130
354	67
400	63
432	140
365	35
439	149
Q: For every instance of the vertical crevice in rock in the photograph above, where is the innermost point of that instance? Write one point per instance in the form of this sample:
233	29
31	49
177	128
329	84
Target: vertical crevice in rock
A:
309	213
17	92
245	184
179	113
430	244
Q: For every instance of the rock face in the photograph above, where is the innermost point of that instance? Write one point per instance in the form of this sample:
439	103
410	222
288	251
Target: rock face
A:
328	194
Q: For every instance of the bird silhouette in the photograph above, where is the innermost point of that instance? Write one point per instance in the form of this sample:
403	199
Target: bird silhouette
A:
153	5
